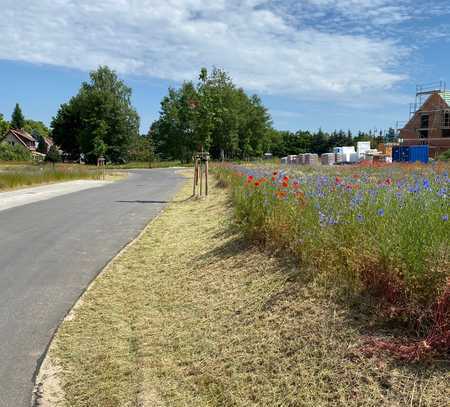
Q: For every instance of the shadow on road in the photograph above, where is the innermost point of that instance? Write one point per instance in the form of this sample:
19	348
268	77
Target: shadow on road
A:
155	202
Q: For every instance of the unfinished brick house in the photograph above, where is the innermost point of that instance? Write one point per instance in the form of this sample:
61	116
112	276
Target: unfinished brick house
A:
429	121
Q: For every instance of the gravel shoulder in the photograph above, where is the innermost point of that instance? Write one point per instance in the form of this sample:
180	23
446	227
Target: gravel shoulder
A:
24	196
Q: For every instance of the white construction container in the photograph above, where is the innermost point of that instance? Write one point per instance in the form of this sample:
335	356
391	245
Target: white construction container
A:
354	158
345	151
339	158
301	159
292	159
362	147
284	160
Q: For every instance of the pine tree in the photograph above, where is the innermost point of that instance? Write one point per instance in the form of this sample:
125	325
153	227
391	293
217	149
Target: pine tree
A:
17	119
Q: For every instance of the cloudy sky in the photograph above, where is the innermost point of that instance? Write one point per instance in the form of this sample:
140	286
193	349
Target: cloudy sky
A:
316	63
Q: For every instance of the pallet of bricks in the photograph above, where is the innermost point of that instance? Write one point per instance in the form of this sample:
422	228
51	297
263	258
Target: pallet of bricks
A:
311	159
328	159
301	159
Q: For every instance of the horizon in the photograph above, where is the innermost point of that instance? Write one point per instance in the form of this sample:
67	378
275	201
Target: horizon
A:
356	72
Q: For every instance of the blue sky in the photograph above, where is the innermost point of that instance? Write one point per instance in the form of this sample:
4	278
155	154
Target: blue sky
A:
335	64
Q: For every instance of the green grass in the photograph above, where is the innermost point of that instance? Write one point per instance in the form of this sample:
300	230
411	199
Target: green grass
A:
22	175
192	315
155	164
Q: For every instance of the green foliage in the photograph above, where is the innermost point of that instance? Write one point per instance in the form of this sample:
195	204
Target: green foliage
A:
36	127
445	156
142	149
4	126
53	155
17	152
214	115
101	111
17	118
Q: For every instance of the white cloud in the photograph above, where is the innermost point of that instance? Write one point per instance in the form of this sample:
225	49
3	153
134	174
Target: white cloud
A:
261	46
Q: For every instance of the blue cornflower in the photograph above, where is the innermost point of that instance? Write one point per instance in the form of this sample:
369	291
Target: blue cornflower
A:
445	218
426	184
380	212
360	218
442	192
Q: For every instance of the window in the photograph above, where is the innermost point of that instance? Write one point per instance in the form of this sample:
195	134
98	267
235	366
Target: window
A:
445	118
423	133
424	121
445	132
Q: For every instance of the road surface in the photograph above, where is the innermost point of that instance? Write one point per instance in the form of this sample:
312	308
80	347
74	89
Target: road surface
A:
50	251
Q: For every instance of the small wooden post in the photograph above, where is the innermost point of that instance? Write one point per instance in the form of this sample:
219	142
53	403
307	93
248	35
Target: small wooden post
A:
101	167
201	177
195	176
206	177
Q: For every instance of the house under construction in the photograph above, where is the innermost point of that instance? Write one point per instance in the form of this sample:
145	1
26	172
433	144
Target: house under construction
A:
429	121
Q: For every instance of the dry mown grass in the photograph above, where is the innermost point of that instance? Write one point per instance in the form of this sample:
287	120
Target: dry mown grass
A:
191	316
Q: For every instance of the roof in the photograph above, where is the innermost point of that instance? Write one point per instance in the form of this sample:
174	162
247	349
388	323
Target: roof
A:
22	134
48	141
446	96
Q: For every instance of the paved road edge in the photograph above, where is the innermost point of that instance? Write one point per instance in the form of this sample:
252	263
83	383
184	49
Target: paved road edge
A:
47	388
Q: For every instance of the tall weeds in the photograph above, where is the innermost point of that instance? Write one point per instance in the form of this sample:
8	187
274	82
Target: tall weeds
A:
22	176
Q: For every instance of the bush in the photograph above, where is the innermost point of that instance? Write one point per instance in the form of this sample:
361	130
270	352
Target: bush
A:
445	156
9	152
53	155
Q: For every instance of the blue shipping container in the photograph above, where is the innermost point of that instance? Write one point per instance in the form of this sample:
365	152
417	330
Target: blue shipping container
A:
410	154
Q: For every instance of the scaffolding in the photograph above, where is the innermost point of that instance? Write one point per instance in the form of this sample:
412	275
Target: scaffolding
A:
432	120
423	92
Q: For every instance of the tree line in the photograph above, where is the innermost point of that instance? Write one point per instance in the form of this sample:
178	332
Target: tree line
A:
211	114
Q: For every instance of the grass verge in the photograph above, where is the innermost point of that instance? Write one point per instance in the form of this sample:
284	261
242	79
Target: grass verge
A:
18	176
190	315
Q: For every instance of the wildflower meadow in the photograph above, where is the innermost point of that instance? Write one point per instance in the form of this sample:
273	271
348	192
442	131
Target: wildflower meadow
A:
378	231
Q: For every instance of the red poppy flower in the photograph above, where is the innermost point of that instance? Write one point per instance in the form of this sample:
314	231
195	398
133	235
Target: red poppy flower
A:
285	184
257	184
250	178
274	179
285	178
338	180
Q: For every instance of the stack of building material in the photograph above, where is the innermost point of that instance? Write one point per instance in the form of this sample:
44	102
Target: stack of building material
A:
328	159
386	148
311	159
301	159
369	154
284	160
339	158
292	159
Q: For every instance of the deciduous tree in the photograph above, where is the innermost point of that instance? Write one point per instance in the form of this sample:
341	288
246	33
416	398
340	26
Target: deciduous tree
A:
101	111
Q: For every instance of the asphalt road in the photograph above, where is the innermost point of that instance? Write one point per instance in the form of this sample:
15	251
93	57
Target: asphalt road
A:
50	251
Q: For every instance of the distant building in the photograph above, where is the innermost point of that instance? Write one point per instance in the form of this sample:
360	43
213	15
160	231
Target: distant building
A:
47	143
429	122
21	137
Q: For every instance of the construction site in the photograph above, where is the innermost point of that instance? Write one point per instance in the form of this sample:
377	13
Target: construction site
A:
429	119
